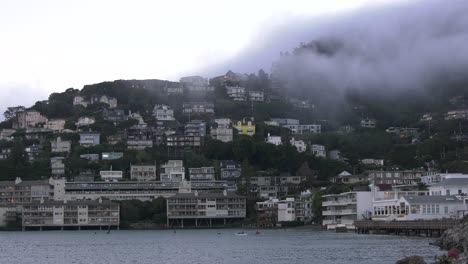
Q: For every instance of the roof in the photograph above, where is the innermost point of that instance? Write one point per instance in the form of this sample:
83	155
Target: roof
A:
452	182
432	199
206	195
75	202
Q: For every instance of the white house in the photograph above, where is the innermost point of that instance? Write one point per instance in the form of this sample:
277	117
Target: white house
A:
318	150
300	145
172	171
85	121
453	186
286	210
275	140
163	113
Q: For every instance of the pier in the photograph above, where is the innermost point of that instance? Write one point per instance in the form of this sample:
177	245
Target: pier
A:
427	228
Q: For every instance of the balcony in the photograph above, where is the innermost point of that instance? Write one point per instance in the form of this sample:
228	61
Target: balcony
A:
339	202
340	212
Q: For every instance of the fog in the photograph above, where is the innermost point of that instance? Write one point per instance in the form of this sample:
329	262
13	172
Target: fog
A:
399	47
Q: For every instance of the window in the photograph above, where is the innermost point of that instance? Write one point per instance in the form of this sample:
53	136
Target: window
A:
446	210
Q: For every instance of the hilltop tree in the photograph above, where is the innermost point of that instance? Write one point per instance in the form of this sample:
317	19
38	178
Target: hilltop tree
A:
10	113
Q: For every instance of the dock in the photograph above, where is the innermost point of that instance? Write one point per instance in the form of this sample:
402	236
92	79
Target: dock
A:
427	228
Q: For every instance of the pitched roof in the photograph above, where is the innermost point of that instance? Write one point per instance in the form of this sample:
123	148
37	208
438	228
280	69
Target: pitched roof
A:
452	182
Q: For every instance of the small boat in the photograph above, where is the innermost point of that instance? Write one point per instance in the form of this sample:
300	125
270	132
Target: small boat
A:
258	233
242	233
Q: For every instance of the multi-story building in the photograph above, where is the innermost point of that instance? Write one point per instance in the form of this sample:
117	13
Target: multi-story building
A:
176	144
80	100
274	186
451	186
245	127
172	171
275	140
33	152
230	170
139	144
426	118
345	208
114	115
300	145
347	178
86	175
89	139
256	96
163	113
85	121
57	166
222	130
202	174
318	150
205	209
438	177
59	146
408	177
39	134
111	175
198	108
368	123
273	212
23	192
26	119
143	172
55	124
82	213
286	121
195	128
128	190
236	93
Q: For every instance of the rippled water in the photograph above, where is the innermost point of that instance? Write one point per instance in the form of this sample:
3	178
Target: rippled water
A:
207	247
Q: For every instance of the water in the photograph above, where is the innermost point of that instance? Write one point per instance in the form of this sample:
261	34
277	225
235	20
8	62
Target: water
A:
208	247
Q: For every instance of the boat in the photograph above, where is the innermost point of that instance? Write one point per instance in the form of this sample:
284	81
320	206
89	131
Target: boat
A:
341	229
242	233
258	233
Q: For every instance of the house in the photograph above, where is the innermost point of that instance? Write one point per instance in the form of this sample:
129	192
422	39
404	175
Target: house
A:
421	207
452	186
5	153
55	125
6	134
80	100
426	118
57	166
204	208
104	99
236	93
275	140
372	162
273	212
90	157
245	127
111	175
139	144
318	150
163	113
81	213
143	172
114	115
300	145
33	152
224	134
176	144
368	123
112	155
335	155
88	139
345	208
85	121
304	129
230	170
398	177
286	121
139	118
198	108
38	133
194	81
195	128
59	146
256	96
172	171
457	114
27	119
438	177
202	174
115	139
347	178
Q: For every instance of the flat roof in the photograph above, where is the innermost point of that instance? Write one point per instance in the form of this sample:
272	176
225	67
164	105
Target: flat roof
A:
207	195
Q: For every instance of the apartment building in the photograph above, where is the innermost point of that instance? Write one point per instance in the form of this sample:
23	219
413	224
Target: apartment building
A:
345	208
28	119
143	172
60	146
400	177
202	174
88	139
172	171
22	192
163	113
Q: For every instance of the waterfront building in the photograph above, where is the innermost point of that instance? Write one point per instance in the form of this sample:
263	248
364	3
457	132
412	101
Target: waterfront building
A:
204	209
202	174
82	213
451	186
143	172
273	212
438	177
59	146
344	208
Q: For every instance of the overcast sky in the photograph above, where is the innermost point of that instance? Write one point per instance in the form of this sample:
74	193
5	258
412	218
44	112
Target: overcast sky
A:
50	45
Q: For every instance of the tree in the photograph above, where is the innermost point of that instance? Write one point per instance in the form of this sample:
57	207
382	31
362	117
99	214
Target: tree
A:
10	113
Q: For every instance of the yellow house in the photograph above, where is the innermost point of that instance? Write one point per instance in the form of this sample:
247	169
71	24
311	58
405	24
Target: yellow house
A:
245	127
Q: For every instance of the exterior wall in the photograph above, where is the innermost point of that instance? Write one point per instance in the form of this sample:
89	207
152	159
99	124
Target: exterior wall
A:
398	177
202	174
286	210
222	134
143	172
163	113
195	128
275	140
318	150
90	139
345	208
172	171
28	119
236	93
55	124
111	175
245	127
256	96
59	146
298	144
85	121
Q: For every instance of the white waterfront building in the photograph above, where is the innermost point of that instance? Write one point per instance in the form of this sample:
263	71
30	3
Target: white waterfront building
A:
345	208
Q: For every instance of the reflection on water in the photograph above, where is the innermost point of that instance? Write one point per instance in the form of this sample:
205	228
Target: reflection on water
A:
208	246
